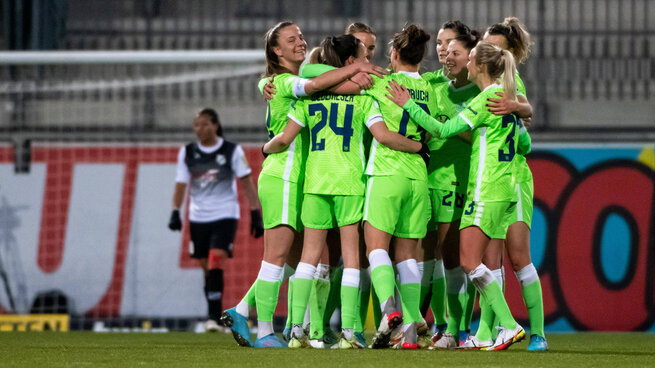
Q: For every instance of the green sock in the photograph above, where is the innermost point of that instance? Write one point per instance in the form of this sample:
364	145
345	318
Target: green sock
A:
266	294
290	303
384	282
468	304
301	290
377	313
410	295
348	306
534	302
438	301
364	294
455	312
317	301
493	296
426	279
334	296
249	298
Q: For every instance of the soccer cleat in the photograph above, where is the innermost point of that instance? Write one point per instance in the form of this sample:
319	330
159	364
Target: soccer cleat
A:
437	336
317	344
298	342
286	334
538	343
507	337
211	326
329	337
472	343
387	325
424	341
463	336
447	341
269	341
239	326
348	344
361	339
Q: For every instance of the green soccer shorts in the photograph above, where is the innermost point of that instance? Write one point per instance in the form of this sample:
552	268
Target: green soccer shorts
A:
523	212
326	211
281	201
397	205
490	217
447	206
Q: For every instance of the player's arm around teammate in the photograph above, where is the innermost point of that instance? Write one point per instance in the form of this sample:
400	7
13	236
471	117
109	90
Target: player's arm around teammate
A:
490	192
512	35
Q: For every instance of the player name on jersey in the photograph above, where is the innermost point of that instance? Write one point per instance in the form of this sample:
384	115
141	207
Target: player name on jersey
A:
331	97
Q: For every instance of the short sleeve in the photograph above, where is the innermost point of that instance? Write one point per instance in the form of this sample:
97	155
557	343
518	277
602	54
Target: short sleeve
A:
297	113
182	174
240	163
372	112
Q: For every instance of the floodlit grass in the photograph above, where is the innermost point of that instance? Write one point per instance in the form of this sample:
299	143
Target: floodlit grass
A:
54	349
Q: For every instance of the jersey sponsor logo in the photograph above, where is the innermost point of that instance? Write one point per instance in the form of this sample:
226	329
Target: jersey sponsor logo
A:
208	177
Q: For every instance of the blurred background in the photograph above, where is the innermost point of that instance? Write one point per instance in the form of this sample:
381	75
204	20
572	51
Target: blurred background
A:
87	148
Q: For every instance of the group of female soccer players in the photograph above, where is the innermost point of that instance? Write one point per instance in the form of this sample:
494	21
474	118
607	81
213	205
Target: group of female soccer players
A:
431	166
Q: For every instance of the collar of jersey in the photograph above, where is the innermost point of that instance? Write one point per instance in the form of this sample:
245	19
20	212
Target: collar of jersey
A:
453	88
414	75
493	86
213	148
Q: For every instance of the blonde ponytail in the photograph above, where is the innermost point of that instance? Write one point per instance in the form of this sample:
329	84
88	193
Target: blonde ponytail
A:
509	75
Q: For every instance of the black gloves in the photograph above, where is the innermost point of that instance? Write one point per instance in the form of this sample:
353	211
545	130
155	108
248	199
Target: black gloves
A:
424	152
175	223
256	223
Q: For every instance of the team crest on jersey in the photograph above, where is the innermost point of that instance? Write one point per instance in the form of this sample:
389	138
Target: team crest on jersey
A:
220	159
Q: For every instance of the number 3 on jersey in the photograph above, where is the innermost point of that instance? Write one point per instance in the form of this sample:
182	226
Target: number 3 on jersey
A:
345	131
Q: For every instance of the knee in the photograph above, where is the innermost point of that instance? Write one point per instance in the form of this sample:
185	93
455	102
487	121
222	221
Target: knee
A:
216	259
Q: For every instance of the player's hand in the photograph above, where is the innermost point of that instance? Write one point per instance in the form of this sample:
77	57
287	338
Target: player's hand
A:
527	122
397	93
502	105
424	152
175	223
363	80
371	69
269	90
256	223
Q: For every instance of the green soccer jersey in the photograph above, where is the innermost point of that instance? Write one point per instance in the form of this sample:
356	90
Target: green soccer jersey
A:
288	165
435	77
450	158
494	146
523	173
336	125
384	161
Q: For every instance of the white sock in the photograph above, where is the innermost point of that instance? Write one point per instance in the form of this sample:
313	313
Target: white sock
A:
498	275
264	328
527	275
408	271
377	258
350	277
243	308
439	271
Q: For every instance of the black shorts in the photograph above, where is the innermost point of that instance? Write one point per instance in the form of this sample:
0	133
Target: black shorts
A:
212	235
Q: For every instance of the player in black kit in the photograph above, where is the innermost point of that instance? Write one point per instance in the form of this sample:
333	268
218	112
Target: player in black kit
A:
210	168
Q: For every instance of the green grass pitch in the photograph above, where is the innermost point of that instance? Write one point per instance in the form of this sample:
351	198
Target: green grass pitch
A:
181	349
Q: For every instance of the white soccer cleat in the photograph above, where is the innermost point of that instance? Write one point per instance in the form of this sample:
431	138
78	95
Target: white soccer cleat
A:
507	337
317	344
446	342
212	326
472	343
